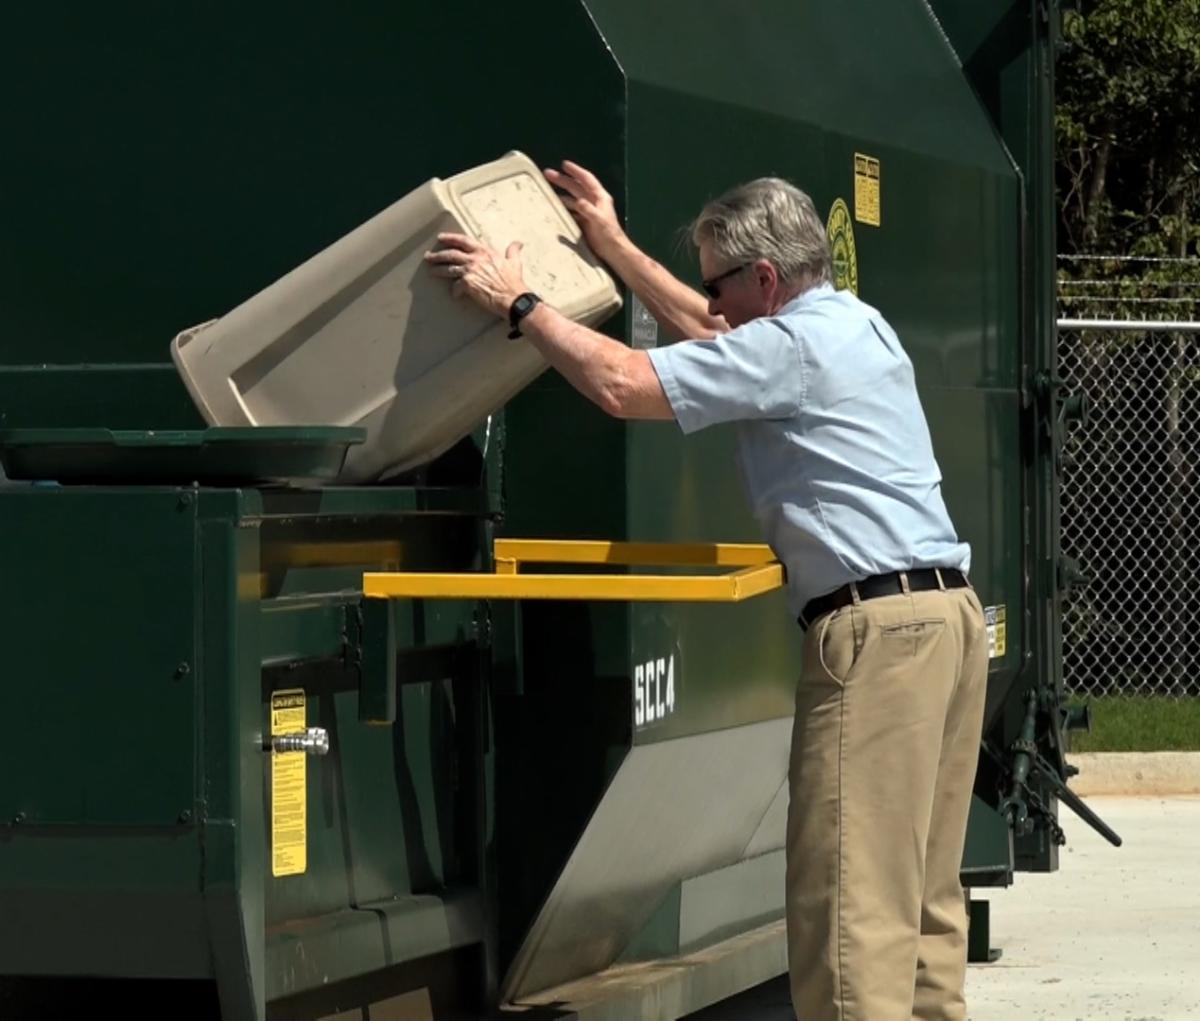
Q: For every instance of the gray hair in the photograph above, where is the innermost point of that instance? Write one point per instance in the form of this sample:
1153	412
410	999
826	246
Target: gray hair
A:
767	219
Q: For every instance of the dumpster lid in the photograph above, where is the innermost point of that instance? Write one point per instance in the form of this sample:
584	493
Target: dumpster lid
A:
240	455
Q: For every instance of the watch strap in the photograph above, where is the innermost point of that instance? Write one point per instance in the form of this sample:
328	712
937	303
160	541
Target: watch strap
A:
522	305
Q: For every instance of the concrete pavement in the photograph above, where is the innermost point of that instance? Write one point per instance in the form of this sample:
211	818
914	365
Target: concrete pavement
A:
1113	935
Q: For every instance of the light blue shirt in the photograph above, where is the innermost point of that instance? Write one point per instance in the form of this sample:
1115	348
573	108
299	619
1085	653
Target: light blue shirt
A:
832	441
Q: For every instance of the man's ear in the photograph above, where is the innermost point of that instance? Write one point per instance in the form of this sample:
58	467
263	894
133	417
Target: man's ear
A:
766	273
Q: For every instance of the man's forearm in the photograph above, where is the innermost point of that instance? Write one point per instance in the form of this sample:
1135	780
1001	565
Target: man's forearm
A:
681	311
621	381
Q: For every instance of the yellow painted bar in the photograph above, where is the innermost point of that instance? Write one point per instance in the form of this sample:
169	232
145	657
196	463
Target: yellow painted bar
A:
728	588
754	581
662	554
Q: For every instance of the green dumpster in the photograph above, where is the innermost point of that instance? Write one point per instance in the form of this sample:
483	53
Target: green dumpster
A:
239	779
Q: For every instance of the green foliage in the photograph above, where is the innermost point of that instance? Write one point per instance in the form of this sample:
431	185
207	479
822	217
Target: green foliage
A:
1128	127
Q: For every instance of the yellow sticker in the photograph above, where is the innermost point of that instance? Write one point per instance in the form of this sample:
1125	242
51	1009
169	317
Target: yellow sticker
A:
866	189
289	788
841	246
996	620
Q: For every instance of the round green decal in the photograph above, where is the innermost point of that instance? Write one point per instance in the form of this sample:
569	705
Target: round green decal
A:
841	244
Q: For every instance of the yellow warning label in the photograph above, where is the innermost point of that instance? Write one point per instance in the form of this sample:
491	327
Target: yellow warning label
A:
866	189
841	247
289	788
996	620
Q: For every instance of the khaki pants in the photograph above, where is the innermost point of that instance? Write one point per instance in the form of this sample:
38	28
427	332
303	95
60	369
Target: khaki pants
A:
889	713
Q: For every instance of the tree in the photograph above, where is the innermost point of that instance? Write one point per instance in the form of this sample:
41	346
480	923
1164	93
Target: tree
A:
1128	128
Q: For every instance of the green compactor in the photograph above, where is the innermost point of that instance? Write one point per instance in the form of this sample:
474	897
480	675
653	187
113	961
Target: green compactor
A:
238	781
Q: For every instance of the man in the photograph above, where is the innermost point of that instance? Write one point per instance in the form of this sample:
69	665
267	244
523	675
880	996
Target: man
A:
839	469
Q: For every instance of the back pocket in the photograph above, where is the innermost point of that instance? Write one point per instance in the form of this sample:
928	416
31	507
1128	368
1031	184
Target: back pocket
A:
913	632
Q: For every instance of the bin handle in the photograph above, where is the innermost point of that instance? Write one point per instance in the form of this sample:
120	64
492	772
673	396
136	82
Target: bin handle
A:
758	572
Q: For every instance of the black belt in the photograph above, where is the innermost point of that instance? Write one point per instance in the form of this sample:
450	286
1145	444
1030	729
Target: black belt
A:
920	580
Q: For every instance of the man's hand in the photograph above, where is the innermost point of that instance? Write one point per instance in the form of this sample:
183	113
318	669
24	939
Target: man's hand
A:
487	278
680	310
591	206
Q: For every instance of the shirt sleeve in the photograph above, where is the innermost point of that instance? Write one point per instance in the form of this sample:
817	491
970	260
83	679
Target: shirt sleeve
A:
755	371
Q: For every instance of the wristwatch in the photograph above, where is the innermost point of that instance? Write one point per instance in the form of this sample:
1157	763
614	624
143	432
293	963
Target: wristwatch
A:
522	305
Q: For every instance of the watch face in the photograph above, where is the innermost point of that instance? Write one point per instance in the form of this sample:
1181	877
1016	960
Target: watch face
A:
524	303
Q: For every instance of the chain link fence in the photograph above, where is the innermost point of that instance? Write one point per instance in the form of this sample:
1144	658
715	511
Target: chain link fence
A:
1131	483
1131	508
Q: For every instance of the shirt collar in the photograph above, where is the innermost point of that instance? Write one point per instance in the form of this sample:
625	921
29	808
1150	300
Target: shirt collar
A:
806	298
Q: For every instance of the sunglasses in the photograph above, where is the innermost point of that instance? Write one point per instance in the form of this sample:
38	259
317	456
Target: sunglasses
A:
710	286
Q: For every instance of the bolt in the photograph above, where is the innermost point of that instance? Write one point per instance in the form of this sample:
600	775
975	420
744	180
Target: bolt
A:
185	500
18	818
182	671
185	817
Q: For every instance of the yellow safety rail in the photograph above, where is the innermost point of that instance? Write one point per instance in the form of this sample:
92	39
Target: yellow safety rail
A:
758	572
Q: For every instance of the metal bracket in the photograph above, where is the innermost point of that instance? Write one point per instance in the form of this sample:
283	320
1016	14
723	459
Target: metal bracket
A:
377	663
1023	805
1072	407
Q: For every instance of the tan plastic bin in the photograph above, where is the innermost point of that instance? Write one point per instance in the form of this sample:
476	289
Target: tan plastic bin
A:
363	334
